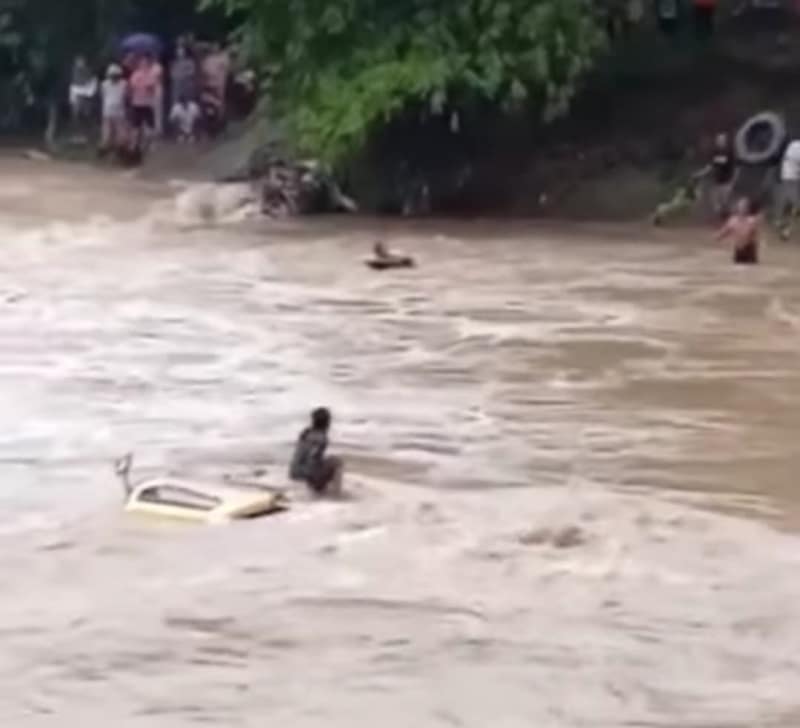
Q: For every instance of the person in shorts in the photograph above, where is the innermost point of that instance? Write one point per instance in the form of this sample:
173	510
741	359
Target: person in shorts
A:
143	95
310	464
787	202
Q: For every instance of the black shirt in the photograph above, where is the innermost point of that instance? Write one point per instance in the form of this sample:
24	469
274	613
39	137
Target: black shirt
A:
723	167
309	454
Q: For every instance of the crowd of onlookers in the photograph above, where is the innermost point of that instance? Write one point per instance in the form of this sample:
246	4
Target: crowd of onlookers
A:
137	101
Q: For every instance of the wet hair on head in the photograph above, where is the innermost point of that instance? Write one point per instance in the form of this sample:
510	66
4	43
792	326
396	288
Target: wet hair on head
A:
753	206
321	418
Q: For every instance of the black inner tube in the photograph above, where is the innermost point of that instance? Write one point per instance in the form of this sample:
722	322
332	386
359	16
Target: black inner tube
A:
758	138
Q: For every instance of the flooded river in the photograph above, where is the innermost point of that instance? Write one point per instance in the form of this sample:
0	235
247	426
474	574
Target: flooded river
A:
573	457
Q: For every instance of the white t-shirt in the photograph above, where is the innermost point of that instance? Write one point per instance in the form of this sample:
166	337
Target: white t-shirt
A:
185	117
114	94
790	168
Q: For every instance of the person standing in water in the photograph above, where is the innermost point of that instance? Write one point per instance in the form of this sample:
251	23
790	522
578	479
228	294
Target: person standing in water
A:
310	465
743	229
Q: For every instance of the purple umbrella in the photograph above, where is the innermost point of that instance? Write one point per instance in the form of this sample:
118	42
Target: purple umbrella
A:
141	43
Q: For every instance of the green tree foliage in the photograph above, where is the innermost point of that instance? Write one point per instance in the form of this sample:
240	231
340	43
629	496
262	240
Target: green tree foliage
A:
41	37
342	68
38	41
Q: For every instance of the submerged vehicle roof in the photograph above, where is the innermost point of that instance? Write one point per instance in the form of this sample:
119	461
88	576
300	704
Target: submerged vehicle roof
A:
221	491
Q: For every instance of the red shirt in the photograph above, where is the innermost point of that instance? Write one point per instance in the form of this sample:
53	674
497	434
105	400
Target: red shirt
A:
144	85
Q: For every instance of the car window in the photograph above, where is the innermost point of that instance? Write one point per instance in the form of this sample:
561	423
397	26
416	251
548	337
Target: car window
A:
170	495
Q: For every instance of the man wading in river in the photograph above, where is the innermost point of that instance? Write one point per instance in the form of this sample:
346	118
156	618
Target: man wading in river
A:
743	228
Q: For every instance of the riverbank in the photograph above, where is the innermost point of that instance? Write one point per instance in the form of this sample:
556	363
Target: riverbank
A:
621	152
618	156
643	121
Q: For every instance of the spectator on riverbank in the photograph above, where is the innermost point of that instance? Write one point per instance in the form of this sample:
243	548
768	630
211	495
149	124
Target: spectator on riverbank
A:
82	90
216	71
243	94
129	63
242	87
157	70
183	75
114	106
144	83
184	117
188	43
212	121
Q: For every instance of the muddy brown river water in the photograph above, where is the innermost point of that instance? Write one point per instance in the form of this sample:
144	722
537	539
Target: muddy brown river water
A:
638	392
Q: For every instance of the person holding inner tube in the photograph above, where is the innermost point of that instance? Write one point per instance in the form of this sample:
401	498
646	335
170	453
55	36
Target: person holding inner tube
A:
743	229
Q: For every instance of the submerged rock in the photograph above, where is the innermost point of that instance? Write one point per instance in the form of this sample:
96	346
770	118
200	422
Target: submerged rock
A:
300	188
289	186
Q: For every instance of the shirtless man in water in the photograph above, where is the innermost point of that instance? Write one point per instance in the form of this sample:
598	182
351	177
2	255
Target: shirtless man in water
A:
743	229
